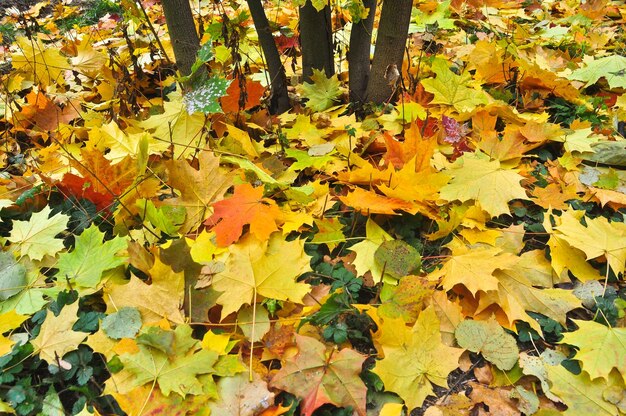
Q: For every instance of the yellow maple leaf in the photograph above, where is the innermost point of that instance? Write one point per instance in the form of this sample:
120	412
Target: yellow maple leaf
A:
56	337
8	321
600	348
485	181
175	126
267	269
163	298
88	60
599	238
196	192
38	62
410	369
473	267
364	261
582	396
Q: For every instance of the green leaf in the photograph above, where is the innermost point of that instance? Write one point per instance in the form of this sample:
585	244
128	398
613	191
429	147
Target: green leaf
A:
398	258
612	68
452	89
305	160
175	373
12	276
90	258
488	338
319	4
124	323
205	98
166	218
608	180
323	92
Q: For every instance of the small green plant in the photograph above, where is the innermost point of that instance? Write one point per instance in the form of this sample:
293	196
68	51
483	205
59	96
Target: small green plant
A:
7	31
90	14
564	112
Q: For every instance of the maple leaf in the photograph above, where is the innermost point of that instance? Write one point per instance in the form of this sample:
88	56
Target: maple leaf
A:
404	300
148	401
516	295
323	92
45	114
609	67
319	376
38	62
416	359
198	188
177	372
366	249
162	298
254	91
473	267
582	395
36	238
246	206
477	178
600	348
8	321
369	202
56	337
103	176
565	257
90	258
86	59
452	89
599	238
32	296
176	127
259	268
239	396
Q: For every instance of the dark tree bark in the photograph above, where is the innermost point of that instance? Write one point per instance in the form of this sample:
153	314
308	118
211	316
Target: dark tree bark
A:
393	29
359	53
316	40
182	30
279	100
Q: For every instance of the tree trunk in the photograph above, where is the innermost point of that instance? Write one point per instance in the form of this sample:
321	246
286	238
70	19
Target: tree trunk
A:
393	29
183	35
279	100
316	40
359	53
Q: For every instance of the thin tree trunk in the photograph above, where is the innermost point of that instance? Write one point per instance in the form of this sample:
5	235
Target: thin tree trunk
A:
279	100
316	40
183	35
393	29
359	53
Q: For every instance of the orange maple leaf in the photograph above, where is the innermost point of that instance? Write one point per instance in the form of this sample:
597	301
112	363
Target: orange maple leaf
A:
246	207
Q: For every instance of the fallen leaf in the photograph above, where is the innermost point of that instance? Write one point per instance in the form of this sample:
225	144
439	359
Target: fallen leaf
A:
256	268
412	366
196	192
36	237
477	178
247	206
489	339
240	396
56	337
319	376
600	348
